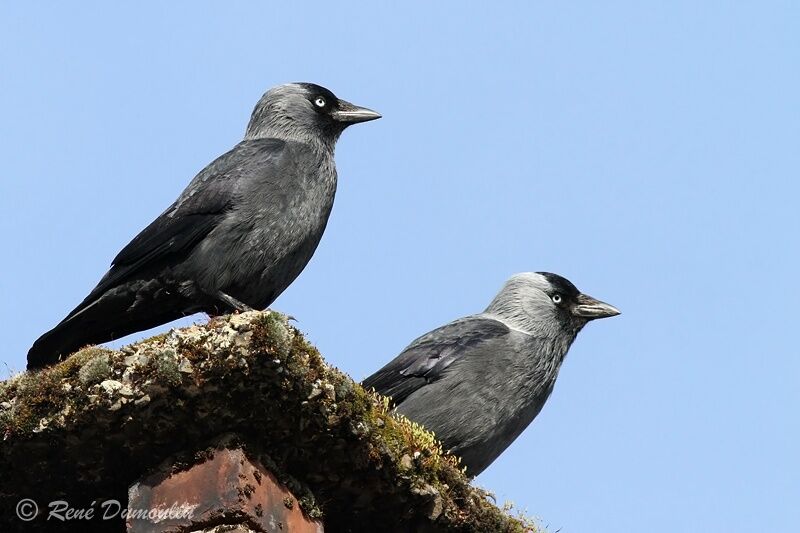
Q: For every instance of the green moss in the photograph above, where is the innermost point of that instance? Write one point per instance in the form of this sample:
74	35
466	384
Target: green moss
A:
6	420
271	335
6	390
39	394
95	370
310	507
528	524
165	368
155	339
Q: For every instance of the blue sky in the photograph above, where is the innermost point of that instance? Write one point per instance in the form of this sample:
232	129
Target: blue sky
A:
649	153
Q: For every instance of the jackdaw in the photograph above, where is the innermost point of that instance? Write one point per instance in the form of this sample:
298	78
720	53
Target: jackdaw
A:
237	236
479	381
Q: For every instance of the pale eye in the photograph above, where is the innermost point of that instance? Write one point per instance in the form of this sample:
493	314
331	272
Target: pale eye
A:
319	102
556	299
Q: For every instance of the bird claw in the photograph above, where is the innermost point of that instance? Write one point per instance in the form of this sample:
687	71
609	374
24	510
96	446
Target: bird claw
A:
238	306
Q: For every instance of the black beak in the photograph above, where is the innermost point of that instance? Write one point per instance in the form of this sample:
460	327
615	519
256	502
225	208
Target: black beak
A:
590	309
352	114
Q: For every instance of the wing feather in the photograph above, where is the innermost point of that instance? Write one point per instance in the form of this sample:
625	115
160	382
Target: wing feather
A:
426	359
197	211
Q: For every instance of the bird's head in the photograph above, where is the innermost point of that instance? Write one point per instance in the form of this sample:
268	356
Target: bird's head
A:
304	112
547	304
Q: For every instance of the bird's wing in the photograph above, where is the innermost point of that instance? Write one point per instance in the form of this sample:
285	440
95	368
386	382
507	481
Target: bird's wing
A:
196	212
426	359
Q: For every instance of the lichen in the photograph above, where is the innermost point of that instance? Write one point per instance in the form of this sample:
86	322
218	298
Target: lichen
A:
114	416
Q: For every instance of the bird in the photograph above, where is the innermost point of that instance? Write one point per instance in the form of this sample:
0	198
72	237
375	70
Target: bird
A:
479	381
236	237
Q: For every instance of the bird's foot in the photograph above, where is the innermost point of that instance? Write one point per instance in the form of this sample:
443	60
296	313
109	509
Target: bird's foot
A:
233	302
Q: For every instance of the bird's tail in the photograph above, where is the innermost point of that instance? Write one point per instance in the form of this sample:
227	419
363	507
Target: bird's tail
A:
103	320
56	345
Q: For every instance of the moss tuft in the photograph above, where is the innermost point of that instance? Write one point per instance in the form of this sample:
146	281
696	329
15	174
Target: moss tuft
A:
95	370
155	339
271	335
165	368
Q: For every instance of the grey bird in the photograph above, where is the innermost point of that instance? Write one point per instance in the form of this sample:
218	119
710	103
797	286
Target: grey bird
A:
236	237
478	381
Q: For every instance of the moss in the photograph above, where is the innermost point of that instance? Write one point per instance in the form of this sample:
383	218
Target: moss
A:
165	368
113	417
528	524
310	507
155	339
271	335
95	370
6	390
39	394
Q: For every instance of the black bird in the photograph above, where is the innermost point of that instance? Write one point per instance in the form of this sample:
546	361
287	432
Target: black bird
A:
237	236
479	381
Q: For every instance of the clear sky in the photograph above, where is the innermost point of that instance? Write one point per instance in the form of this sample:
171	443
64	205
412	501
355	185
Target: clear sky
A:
649	153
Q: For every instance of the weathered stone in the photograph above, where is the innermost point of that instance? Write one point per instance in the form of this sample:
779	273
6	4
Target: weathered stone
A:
432	498
185	366
111	386
144	400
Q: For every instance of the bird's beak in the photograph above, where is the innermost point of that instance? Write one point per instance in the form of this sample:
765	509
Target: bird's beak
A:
352	114
590	308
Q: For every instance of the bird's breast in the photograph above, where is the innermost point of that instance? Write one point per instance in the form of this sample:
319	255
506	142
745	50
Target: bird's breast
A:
272	233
